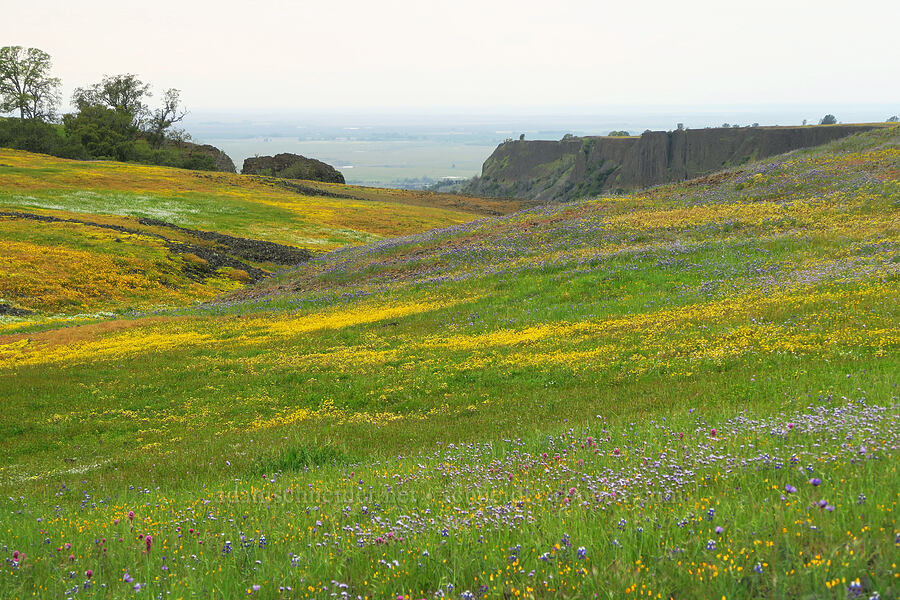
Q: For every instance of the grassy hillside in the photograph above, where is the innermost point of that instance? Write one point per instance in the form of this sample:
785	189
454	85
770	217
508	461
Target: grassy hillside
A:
691	388
97	252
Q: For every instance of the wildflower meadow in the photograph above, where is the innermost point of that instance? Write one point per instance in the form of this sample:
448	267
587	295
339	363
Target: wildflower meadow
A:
686	392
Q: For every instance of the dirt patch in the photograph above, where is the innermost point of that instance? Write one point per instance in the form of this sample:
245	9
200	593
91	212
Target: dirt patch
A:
79	333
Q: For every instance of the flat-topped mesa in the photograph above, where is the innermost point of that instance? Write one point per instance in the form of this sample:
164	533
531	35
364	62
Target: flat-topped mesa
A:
580	167
292	166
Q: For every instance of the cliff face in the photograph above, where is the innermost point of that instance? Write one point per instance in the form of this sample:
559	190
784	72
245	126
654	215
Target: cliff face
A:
581	167
292	166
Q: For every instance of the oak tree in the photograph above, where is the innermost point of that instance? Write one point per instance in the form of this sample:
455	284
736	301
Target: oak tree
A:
26	85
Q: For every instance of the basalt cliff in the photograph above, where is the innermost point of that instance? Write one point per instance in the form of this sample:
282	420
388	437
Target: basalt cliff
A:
579	167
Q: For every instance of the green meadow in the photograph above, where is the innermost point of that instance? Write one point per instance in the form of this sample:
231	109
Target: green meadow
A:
689	391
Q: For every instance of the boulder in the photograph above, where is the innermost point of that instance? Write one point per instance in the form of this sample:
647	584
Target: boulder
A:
222	161
292	166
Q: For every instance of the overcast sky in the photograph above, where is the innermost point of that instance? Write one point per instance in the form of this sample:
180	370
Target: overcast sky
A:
301	55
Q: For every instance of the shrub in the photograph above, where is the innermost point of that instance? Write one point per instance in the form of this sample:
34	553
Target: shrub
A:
32	135
103	132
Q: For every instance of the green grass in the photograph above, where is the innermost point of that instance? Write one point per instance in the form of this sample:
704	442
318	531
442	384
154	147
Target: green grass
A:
428	400
67	269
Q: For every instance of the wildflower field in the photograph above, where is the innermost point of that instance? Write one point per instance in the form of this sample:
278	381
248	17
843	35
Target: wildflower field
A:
690	392
82	237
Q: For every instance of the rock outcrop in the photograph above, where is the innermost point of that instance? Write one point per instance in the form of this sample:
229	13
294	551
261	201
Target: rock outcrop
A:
221	160
292	166
581	167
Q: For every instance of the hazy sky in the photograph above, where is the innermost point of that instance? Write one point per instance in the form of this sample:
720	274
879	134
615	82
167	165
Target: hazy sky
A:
277	55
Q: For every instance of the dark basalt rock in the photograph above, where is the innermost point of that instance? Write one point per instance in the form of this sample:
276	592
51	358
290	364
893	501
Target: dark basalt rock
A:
11	311
224	250
579	167
292	166
223	161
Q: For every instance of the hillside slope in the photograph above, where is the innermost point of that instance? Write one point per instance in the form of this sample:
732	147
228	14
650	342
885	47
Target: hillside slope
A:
83	236
581	167
726	275
688	388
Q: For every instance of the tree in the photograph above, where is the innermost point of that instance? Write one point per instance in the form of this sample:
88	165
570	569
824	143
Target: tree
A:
26	85
103	132
621	133
828	120
893	119
122	93
163	118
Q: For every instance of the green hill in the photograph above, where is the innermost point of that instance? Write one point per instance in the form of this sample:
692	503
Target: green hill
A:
633	396
86	236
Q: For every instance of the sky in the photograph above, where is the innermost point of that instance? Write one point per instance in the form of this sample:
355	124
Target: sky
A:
274	55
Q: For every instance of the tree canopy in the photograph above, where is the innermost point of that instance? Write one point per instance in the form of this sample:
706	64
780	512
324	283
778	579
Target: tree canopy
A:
103	132
26	85
122	93
160	122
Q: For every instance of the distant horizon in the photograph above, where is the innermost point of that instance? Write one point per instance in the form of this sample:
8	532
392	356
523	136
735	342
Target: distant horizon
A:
397	148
